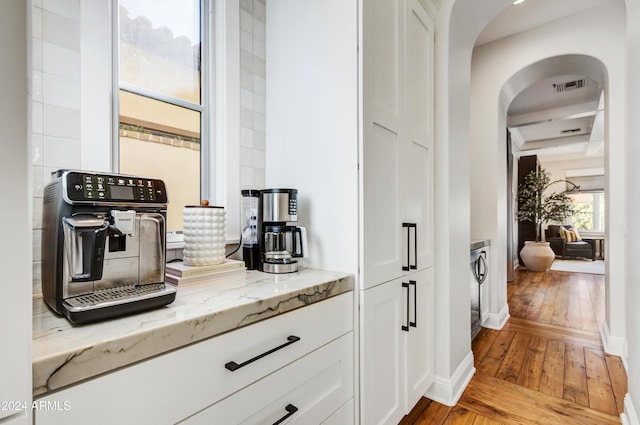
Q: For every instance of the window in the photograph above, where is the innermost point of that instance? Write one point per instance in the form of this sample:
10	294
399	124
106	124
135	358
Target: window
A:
162	97
588	211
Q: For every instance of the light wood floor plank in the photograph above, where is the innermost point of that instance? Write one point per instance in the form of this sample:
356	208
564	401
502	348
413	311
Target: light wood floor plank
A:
598	382
533	361
545	366
552	376
512	363
460	416
575	378
514	404
618	377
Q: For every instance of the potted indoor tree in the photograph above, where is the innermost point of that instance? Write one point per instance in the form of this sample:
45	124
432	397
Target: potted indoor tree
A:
539	207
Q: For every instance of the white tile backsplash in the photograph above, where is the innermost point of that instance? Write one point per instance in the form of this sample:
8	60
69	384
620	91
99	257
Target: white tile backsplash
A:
36	86
62	152
36	22
246	137
37	117
36	54
253	92
37	149
259	121
67	8
60	61
246	21
259	85
61	122
246	41
61	91
246	99
61	30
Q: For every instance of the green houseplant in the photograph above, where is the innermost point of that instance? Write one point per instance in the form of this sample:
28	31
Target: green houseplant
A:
538	207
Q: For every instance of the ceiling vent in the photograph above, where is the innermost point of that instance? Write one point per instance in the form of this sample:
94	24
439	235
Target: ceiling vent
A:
570	85
571	131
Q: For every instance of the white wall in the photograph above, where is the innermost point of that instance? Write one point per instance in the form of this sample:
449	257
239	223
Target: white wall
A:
596	33
312	128
457	26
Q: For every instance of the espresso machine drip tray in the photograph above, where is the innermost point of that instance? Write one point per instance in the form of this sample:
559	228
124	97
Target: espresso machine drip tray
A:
112	302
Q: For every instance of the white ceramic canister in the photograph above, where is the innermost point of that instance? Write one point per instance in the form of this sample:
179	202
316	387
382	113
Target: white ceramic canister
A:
205	229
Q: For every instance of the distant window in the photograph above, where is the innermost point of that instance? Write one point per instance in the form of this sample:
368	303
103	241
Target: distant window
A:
588	211
161	107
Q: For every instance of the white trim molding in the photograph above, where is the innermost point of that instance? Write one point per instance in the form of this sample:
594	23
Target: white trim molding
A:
448	391
612	344
496	321
629	416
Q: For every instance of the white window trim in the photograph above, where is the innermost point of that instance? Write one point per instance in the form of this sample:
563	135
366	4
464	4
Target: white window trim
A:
97	101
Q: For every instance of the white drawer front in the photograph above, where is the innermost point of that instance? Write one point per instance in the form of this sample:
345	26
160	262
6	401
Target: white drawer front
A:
306	392
175	385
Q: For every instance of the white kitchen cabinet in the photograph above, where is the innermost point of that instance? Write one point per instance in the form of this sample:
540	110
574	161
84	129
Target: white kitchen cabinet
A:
418	161
396	346
306	392
390	111
175	386
419	341
382	361
397	281
397	141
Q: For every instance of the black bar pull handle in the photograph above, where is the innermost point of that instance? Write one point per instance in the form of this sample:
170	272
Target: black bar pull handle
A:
414	266
406	327
410	266
291	409
415	303
233	366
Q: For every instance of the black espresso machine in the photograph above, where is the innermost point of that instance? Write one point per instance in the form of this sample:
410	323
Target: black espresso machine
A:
103	245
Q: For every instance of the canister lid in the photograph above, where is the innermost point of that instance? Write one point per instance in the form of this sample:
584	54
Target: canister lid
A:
203	204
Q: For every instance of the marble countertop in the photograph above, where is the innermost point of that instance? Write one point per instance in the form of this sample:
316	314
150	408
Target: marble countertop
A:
479	243
64	354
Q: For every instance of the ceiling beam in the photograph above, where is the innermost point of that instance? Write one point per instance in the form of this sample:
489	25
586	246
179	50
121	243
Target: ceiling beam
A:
568	112
555	142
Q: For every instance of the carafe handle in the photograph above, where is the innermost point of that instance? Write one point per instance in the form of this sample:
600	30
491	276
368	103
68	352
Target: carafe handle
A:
298	237
85	243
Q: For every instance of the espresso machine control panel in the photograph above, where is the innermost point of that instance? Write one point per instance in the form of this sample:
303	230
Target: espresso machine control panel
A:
81	187
103	245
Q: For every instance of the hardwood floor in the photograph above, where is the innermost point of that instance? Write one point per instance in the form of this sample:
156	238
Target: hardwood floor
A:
546	366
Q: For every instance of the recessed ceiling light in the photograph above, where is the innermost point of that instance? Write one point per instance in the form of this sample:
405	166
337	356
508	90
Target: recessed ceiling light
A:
518	1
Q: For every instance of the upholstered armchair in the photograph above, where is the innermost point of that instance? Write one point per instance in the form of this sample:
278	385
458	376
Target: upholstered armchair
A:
585	248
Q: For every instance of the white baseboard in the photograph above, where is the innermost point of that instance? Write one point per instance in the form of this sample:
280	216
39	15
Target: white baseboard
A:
448	391
496	321
629	416
612	344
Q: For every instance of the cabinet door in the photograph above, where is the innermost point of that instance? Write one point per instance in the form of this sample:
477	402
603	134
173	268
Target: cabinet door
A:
382	362
418	195
419	348
420	99
383	132
417	161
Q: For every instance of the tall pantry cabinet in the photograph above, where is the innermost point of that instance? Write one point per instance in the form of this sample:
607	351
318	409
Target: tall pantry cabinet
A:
350	124
397	279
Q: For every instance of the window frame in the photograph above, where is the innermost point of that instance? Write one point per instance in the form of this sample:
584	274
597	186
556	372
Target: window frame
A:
598	207
206	108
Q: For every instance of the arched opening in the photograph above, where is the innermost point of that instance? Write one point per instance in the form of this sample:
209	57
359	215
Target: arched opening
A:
471	98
